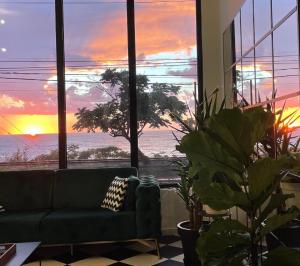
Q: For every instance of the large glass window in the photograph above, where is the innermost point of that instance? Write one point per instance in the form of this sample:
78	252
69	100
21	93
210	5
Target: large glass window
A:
166	67
97	84
270	64
28	87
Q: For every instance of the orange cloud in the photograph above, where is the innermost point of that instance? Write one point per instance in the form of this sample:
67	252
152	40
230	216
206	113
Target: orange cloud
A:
160	27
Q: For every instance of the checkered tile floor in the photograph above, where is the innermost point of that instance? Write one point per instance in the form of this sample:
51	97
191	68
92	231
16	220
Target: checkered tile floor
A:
118	254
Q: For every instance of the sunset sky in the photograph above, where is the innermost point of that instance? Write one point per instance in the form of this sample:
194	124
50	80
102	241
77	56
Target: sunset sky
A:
96	38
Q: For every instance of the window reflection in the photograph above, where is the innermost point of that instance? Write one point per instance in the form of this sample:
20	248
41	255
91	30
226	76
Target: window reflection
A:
286	57
281	8
264	70
262	16
247	26
270	67
248	77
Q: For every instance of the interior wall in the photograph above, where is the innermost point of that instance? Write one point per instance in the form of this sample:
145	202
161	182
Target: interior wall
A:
227	10
216	16
211	45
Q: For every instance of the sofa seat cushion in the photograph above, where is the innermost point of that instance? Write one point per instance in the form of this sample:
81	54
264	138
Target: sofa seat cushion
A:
87	225
20	226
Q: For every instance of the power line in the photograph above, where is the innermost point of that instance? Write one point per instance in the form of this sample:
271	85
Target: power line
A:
92	74
98	60
84	81
97	2
99	66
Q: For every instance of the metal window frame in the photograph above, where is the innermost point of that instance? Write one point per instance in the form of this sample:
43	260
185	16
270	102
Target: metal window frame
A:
270	33
61	85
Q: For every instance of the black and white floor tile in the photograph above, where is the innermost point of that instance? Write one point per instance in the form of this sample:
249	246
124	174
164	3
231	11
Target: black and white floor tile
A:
116	254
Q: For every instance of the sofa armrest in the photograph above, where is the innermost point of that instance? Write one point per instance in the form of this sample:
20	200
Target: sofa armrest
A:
148	215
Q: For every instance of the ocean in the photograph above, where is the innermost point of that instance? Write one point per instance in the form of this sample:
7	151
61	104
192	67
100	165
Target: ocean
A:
151	142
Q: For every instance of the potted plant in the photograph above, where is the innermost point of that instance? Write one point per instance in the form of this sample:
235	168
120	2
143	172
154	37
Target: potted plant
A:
189	230
282	139
232	173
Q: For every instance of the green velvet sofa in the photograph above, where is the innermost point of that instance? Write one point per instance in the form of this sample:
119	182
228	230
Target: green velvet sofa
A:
63	207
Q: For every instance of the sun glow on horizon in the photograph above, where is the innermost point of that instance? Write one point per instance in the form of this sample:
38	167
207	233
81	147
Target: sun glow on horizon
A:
296	121
33	125
33	130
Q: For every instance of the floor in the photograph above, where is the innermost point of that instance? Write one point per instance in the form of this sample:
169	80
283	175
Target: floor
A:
117	254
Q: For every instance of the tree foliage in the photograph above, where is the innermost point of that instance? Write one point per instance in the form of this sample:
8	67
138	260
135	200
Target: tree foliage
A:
155	102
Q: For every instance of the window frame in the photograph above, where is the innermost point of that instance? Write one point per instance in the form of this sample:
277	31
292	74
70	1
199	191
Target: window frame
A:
60	58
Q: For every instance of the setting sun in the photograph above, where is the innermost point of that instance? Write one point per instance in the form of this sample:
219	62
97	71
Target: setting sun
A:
33	130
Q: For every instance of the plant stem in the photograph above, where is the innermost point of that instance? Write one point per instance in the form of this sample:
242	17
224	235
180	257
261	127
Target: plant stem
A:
198	219
254	246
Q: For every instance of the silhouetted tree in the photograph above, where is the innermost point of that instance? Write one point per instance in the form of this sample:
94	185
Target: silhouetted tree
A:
155	103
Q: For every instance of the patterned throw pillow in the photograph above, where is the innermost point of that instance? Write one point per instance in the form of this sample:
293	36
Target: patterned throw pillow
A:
115	195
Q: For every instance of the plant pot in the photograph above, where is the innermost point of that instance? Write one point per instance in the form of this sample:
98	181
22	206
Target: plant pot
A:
189	239
286	235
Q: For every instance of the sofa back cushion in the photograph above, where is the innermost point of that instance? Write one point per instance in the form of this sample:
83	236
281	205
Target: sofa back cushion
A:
85	188
26	190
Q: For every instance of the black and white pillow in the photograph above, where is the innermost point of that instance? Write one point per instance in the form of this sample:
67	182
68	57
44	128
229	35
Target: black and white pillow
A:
2	209
115	195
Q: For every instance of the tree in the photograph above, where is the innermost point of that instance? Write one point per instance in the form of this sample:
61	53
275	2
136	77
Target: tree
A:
155	103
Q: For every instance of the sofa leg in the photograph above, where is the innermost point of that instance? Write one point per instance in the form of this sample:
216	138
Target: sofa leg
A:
72	250
157	248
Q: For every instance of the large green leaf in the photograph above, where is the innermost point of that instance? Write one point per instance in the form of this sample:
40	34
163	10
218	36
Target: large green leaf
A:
232	129
225	243
238	132
283	256
202	149
262	174
279	220
261	120
219	196
276	201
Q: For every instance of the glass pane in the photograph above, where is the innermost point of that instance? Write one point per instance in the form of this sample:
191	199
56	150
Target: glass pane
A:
166	50
281	8
229	92
289	106
262	16
264	71
28	105
227	48
237	36
286	57
247	26
239	84
248	75
97	84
